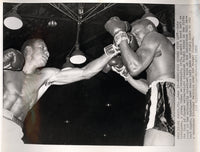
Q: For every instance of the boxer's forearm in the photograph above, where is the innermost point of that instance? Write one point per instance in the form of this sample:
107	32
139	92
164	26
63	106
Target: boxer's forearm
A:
76	74
139	84
130	58
95	66
138	61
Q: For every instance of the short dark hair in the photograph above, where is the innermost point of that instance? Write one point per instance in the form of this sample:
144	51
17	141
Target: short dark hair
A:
29	42
144	22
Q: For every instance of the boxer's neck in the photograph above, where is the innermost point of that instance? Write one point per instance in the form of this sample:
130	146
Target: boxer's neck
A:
29	69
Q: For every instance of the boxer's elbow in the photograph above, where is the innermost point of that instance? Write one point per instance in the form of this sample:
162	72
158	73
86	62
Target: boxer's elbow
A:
134	69
134	72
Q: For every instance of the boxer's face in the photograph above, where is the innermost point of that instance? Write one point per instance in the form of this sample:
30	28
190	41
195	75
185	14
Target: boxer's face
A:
40	53
139	31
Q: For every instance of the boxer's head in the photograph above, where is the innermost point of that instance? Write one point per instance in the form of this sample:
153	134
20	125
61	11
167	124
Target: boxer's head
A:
35	51
140	28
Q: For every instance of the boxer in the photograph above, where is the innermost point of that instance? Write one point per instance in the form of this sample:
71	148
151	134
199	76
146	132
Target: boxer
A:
155	55
22	89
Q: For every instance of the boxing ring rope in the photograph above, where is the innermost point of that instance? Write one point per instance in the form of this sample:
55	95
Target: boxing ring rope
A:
109	5
75	16
65	13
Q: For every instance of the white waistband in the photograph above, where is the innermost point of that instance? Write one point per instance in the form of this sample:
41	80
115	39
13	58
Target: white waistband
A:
163	80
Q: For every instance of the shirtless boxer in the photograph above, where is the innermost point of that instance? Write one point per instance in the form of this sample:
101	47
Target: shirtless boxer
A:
22	89
155	55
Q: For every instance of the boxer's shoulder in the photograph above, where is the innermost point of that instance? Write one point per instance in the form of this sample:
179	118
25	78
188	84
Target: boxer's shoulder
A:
151	41
151	36
154	37
49	71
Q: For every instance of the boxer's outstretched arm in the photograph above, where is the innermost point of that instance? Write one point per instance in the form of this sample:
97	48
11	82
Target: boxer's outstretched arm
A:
140	84
76	74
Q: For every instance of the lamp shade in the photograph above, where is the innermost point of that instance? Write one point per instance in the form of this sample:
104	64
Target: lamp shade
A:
13	20
67	64
148	15
77	57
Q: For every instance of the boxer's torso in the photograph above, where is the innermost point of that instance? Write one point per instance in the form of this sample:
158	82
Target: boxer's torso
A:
163	64
20	91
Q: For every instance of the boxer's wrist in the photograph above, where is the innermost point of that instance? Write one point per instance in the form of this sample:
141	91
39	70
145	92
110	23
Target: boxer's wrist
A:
127	76
111	50
121	36
121	71
124	73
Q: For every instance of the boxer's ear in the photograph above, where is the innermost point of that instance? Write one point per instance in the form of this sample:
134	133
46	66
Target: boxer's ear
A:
150	27
28	51
132	31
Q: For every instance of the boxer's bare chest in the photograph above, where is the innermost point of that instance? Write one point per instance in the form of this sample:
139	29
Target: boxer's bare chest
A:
24	87
31	85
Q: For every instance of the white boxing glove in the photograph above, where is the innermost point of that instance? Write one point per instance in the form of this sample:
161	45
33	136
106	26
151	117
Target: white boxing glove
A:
121	70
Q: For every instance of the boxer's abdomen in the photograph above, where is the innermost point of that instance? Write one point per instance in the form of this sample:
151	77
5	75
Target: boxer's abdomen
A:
20	94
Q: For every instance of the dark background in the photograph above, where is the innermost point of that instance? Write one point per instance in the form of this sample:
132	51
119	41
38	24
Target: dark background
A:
104	110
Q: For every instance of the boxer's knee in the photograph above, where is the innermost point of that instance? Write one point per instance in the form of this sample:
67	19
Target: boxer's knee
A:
154	137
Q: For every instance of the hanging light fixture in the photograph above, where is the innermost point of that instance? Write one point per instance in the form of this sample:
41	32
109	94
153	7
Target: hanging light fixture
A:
13	20
78	57
148	15
167	34
67	65
52	23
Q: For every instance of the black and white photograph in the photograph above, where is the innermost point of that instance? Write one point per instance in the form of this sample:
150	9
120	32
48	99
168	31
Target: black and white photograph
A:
99	74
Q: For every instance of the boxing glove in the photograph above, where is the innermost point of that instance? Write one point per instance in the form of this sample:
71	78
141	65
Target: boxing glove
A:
13	59
115	61
122	71
115	25
131	41
106	68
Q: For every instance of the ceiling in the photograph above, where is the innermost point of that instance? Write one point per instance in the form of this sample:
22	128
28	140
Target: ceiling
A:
104	110
61	39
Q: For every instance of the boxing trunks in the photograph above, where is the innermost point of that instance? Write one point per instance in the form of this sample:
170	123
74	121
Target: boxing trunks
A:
160	106
11	132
